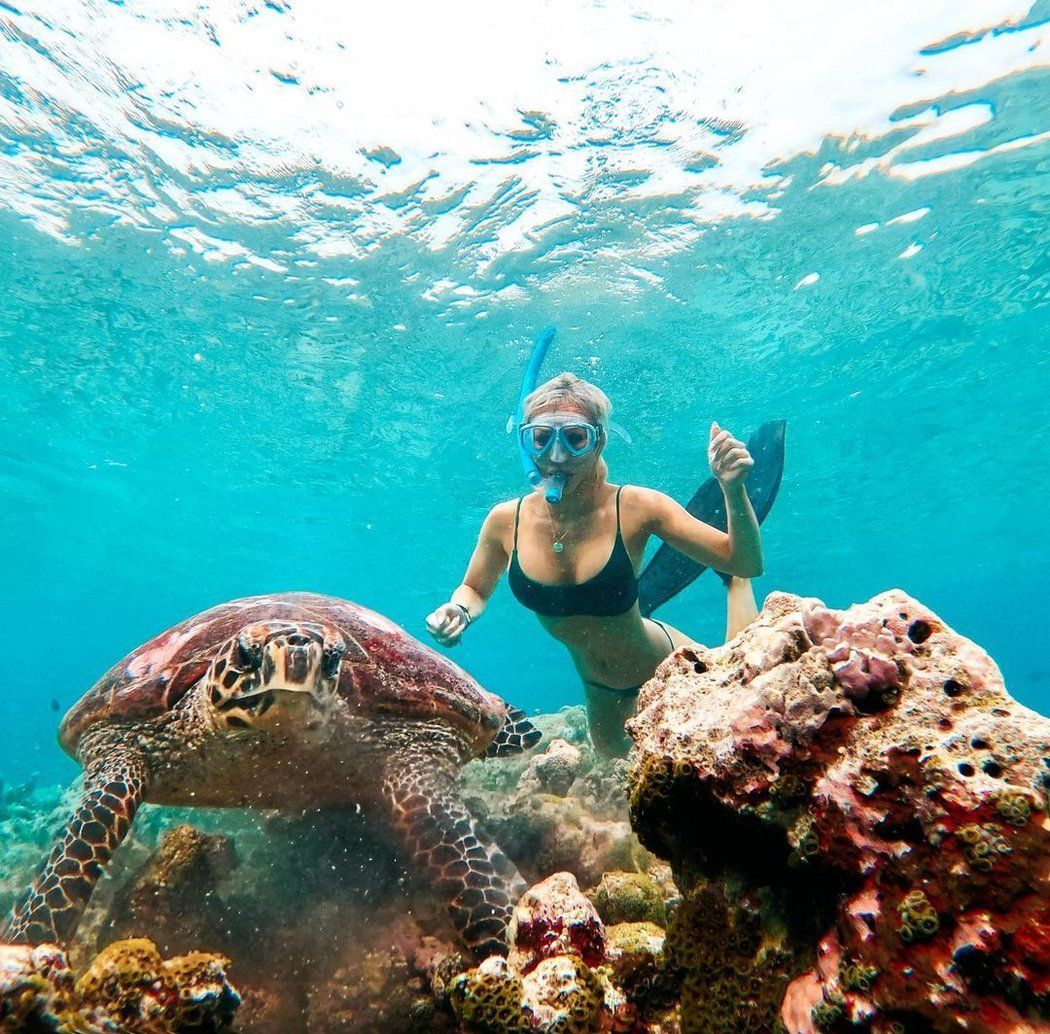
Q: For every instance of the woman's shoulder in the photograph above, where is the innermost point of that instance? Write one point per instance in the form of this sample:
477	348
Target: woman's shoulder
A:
643	505
502	515
640	496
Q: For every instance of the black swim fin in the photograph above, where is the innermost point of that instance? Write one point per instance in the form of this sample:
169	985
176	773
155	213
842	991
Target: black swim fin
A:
669	571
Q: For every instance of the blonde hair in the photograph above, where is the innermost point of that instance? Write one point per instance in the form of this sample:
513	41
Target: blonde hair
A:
568	388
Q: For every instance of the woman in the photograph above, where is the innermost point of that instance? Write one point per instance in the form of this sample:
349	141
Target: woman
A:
575	564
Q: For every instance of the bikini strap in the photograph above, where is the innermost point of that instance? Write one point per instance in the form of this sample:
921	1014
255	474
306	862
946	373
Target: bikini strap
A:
618	491
517	518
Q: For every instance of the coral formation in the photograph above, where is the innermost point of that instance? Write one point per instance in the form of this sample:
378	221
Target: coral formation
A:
547	822
869	767
165	894
555	918
634	952
128	987
35	985
490	998
554	770
566	974
629	897
728	960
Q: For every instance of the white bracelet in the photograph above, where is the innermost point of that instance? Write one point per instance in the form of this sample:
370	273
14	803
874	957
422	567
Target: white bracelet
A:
466	614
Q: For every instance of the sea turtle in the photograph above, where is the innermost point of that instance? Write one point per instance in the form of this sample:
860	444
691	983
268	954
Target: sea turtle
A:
286	701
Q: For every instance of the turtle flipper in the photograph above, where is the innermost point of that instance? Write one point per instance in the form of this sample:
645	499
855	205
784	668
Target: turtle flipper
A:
518	734
51	909
477	879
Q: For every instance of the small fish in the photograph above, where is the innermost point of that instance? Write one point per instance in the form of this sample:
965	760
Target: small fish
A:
54	704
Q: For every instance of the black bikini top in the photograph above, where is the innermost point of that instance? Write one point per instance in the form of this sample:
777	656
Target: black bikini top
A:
613	590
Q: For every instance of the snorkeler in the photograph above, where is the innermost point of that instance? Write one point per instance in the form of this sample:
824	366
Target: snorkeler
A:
559	562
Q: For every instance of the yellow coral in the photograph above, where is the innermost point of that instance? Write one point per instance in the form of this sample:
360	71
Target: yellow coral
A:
629	897
807	842
857	977
827	1014
984	843
732	974
1014	806
635	951
488	999
564	995
650	780
199	981
120	974
919	919
130	982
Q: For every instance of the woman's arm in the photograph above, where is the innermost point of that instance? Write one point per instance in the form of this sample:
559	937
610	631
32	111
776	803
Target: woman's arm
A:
737	553
487	563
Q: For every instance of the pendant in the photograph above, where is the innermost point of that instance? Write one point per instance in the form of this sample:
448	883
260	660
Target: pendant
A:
557	547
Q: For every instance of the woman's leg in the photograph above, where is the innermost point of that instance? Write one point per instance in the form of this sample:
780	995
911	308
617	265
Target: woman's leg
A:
607	711
608	708
741	608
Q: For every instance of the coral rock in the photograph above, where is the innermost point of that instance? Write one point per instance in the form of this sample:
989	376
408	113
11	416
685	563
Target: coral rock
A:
564	995
490	998
127	987
872	760
129	982
34	986
554	770
629	897
205	997
635	951
165	897
555	918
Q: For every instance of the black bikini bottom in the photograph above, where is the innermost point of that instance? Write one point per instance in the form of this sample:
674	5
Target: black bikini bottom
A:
631	691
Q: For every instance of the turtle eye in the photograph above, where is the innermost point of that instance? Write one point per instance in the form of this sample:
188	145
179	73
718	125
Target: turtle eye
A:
331	659
248	653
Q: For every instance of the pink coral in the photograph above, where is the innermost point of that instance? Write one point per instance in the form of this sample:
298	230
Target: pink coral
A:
879	748
555	918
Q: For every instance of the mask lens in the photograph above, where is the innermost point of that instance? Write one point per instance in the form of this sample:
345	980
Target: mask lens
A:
536	438
578	438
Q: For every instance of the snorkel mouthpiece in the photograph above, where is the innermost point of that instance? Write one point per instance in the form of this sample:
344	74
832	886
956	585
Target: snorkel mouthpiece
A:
553	487
555	484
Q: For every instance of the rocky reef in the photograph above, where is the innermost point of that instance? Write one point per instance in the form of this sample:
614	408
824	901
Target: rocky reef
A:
352	940
567	972
126	987
856	811
837	822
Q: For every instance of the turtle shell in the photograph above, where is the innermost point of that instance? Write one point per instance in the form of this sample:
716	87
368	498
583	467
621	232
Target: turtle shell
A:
384	670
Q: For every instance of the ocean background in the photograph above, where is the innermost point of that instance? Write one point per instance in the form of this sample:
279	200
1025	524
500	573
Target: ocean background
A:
270	274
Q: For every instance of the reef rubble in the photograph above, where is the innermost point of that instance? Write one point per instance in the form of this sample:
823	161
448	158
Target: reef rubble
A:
856	811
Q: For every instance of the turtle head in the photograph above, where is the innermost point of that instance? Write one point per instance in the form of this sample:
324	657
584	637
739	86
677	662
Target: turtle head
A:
274	672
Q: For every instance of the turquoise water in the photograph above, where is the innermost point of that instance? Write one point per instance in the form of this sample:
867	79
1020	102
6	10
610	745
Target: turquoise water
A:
266	299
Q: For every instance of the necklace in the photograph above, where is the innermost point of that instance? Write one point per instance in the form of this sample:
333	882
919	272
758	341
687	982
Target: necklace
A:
556	543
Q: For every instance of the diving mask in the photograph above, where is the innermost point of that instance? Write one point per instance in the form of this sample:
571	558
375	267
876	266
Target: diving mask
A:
577	438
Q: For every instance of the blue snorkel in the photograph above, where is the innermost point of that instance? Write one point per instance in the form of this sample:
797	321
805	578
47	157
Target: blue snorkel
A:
552	486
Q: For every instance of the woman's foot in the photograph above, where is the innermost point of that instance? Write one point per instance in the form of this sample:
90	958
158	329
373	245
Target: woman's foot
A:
741	608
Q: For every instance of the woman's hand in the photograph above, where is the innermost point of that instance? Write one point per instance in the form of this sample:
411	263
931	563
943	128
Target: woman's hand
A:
730	461
448	623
